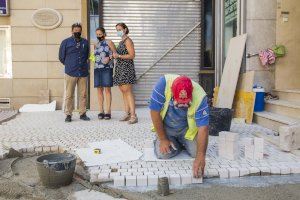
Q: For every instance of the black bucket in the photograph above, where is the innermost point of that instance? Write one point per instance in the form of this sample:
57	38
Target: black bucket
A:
219	120
56	170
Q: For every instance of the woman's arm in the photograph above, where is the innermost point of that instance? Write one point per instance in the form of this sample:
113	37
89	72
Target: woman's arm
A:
112	46
130	48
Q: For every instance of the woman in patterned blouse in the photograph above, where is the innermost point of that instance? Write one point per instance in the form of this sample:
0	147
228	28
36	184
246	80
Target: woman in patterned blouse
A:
103	72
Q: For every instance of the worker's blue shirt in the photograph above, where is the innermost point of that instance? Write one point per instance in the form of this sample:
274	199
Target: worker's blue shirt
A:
74	56
176	118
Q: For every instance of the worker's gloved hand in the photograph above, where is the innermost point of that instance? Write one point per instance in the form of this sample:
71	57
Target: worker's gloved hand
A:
198	166
164	146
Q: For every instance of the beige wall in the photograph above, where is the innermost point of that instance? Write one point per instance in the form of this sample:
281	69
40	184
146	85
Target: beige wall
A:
287	75
35	51
261	30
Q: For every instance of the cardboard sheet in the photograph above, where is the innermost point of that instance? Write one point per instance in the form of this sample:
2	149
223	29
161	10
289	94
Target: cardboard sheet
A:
50	107
112	151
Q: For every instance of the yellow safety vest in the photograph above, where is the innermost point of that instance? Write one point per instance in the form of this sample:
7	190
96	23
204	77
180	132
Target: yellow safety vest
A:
198	95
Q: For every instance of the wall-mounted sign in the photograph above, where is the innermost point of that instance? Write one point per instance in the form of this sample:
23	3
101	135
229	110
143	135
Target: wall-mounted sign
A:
46	18
4	7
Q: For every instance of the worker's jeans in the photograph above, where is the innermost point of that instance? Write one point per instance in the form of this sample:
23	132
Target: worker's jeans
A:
179	142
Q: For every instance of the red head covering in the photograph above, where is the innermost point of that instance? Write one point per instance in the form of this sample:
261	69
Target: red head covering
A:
182	89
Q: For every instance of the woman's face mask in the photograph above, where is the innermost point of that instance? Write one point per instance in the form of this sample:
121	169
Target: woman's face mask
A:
100	38
120	33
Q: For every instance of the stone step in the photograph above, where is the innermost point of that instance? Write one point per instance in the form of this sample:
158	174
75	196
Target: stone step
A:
283	107
272	120
288	95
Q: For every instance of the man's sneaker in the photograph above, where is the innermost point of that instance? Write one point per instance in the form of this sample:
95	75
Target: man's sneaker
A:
125	117
84	117
68	118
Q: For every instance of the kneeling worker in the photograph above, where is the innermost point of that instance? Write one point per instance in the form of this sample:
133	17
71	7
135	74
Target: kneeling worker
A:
180	116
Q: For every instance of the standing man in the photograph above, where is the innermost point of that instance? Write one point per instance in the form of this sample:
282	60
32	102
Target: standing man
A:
180	117
73	54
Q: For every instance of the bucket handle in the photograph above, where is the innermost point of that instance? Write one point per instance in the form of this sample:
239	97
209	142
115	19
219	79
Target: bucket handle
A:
66	166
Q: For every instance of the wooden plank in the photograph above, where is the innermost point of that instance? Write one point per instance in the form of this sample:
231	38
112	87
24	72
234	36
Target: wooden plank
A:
246	81
231	71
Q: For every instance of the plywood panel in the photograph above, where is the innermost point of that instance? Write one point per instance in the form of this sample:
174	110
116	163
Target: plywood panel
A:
246	81
231	71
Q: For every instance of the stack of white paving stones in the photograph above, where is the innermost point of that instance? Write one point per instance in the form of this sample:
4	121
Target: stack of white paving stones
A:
228	145
254	148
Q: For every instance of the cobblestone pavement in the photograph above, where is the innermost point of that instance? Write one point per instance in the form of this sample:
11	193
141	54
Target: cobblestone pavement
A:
7	114
44	132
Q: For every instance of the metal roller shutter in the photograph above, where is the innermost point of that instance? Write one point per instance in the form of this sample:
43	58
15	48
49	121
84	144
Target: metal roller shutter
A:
158	27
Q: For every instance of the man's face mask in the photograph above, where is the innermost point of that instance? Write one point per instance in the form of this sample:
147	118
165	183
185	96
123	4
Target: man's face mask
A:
77	35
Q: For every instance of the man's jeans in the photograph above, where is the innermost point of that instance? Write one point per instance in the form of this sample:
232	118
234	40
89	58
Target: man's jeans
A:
179	142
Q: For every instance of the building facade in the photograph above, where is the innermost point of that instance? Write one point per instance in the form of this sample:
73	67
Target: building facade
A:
33	64
187	37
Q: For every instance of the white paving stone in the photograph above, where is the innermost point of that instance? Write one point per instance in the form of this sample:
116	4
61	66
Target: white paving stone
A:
197	180
223	173
233	172
213	173
104	176
186	179
244	171
285	170
142	180
130	181
152	180
264	171
119	181
175	179
295	169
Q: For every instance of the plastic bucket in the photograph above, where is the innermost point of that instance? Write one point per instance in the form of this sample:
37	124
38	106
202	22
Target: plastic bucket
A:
56	170
259	104
219	120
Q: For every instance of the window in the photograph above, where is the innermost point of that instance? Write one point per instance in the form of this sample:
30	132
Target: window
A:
5	52
230	27
94	19
209	41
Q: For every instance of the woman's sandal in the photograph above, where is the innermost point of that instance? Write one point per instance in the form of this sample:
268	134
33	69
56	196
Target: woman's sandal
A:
107	116
101	116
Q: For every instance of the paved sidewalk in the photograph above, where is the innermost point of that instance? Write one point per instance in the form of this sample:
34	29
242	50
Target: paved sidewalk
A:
7	114
44	132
